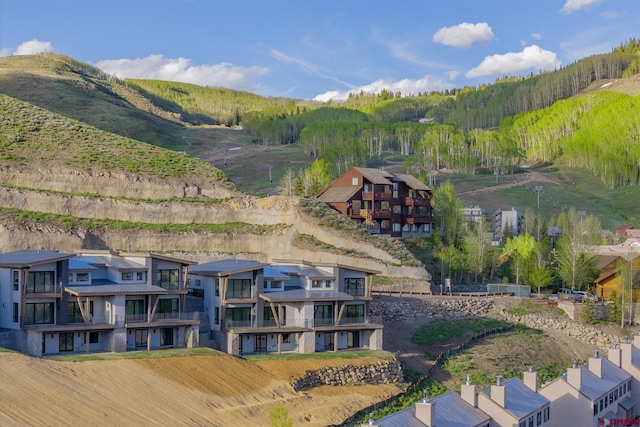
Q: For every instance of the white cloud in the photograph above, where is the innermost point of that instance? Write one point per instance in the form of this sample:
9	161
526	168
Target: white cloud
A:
5	52
536	36
571	6
157	67
464	35
405	86
33	47
531	58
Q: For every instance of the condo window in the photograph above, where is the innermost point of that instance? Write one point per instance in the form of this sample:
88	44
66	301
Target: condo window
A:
74	313
127	276
41	282
354	180
40	313
94	338
539	418
216	286
546	414
168	279
354	286
239	288
216	315
16	311
82	277
168	308
16	280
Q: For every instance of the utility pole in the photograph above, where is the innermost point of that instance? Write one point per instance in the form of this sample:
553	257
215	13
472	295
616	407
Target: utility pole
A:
538	189
270	180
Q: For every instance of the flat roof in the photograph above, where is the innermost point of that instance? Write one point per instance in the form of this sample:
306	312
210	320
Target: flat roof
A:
115	263
110	289
226	267
30	257
305	295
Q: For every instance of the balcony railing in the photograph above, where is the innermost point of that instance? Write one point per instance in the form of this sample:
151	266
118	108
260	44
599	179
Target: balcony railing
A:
169	285
416	201
382	213
135	317
323	322
230	323
352	320
77	319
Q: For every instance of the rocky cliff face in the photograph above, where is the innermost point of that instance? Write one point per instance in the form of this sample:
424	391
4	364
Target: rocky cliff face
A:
116	204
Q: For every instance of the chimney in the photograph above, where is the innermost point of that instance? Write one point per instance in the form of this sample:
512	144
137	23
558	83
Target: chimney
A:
626	350
595	364
615	355
468	393
530	379
426	411
498	392
370	423
574	376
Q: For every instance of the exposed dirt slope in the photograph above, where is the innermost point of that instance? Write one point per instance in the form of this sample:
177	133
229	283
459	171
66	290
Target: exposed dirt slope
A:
218	390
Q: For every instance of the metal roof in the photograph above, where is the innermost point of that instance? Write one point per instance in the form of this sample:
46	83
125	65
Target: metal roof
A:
338	194
612	377
376	176
413	182
271	273
450	411
520	400
226	267
114	263
305	295
81	264
96	290
304	271
30	257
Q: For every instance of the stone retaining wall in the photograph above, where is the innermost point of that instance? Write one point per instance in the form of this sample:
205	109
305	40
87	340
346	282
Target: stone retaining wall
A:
383	372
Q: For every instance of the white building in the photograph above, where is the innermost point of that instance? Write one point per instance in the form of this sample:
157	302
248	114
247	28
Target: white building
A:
290	306
94	301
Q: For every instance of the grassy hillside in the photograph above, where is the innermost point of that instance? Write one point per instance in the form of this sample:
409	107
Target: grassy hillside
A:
32	138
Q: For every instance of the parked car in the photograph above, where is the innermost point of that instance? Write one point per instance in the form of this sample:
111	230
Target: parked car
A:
586	295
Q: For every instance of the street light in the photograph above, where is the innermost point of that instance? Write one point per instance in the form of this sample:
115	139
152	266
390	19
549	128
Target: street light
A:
538	189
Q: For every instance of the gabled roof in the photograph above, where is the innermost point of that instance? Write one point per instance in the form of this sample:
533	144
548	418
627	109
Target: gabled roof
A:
450	410
376	176
413	182
227	267
31	257
520	400
338	194
612	377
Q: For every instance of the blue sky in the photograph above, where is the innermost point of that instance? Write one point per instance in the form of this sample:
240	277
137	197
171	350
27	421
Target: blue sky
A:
320	49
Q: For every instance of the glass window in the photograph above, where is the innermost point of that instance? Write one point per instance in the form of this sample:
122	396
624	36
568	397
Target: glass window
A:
82	277
168	279
216	286
239	288
198	282
41	282
354	314
74	313
396	226
40	313
94	338
141	337
397	209
168	308
275	284
546	414
354	286
216	315
16	311
539	418
135	310
16	280
354	180
127	276
323	314
531	421
140	276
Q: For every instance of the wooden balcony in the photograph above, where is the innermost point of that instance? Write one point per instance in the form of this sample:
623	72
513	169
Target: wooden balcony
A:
416	201
381	213
370	195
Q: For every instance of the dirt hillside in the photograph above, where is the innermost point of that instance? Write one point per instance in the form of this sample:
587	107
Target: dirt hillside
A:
217	389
